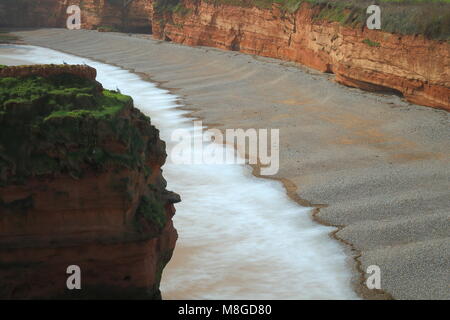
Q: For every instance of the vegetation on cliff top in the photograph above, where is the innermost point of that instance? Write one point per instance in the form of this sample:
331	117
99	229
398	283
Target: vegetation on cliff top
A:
430	18
170	6
64	124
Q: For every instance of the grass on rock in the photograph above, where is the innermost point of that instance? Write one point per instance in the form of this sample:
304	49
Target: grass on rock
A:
430	18
60	124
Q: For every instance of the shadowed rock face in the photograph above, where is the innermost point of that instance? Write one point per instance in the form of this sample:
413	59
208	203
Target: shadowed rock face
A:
80	184
134	17
373	60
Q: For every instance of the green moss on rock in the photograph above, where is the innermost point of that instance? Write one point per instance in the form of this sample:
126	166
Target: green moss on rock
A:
65	124
152	211
371	43
430	18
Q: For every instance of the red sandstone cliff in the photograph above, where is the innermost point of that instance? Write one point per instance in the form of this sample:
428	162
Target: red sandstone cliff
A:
113	218
135	17
416	67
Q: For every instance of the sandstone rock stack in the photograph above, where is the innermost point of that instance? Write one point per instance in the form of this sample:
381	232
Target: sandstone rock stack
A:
80	184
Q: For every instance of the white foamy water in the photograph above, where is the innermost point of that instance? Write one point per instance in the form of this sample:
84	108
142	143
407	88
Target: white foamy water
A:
240	237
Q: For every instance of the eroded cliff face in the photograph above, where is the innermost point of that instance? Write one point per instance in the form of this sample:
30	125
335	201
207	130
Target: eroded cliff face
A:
135	17
79	187
417	68
413	66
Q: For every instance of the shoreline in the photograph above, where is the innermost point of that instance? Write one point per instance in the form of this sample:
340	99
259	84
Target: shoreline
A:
290	186
357	284
147	78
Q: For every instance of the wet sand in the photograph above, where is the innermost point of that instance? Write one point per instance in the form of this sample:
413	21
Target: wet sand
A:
373	165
